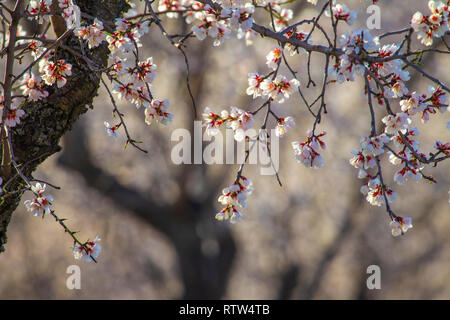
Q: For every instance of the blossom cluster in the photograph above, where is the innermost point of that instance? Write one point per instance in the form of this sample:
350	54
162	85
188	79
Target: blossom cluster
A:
434	25
132	78
371	147
55	71
283	16
274	58
157	110
33	88
237	119
93	33
342	12
88	252
400	225
71	13
15	113
283	124
278	89
111	130
233	197
39	9
353	43
219	26
133	83
41	204
411	167
126	38
365	158
308	152
375	192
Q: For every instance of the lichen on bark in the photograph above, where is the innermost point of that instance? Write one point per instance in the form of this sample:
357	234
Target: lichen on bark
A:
46	121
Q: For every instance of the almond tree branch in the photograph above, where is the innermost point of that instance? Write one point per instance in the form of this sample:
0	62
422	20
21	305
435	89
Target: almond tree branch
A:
47	120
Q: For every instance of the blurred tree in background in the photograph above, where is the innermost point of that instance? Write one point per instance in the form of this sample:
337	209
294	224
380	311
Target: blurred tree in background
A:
314	237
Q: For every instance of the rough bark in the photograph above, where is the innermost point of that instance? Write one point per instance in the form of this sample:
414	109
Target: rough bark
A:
46	121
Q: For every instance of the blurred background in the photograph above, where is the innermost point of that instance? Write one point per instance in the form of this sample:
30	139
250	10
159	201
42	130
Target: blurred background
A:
313	238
